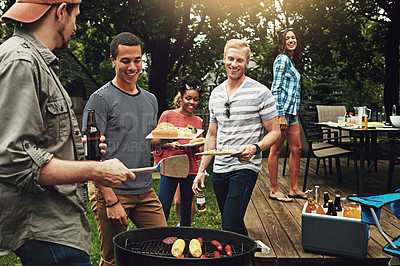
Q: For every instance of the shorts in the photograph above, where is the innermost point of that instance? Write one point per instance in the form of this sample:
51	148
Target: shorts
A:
291	120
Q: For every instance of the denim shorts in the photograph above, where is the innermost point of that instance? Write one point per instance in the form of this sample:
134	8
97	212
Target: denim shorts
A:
291	120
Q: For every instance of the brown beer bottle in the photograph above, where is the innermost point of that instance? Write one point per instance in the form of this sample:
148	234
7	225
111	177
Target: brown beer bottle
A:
331	209
326	199
337	204
92	137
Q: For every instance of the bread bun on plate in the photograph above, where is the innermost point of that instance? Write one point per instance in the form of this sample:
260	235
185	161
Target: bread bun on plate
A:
165	133
164	125
165	130
350	123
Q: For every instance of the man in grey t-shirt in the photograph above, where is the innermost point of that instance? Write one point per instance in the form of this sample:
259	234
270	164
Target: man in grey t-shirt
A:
125	113
239	109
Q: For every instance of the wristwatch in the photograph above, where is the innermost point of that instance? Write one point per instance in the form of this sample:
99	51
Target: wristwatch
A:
258	149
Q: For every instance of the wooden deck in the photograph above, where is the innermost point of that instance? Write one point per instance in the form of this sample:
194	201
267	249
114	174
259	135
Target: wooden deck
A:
278	224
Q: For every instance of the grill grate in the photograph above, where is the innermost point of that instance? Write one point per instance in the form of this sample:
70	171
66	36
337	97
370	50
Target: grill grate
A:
158	248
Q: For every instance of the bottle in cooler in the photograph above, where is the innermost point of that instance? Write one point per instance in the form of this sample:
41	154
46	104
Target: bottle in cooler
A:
347	212
338	206
316	196
320	210
311	208
331	209
326	199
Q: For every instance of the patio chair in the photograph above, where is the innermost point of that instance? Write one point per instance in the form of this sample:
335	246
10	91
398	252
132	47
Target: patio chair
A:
328	113
394	159
321	148
304	149
370	214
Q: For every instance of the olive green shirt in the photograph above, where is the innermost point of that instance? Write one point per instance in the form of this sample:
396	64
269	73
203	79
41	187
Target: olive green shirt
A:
37	123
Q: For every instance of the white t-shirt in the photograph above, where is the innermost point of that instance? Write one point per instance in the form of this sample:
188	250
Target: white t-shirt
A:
249	105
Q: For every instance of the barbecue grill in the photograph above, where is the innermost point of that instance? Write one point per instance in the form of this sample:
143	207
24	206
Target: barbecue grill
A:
145	247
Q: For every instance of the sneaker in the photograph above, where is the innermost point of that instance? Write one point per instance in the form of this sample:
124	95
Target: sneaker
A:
179	224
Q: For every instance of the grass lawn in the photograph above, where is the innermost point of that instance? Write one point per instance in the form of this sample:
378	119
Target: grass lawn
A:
211	218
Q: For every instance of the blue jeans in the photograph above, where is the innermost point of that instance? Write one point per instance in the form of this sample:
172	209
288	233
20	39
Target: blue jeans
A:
166	194
233	191
42	253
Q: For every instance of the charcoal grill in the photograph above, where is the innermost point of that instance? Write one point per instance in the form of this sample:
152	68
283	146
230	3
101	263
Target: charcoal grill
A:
145	247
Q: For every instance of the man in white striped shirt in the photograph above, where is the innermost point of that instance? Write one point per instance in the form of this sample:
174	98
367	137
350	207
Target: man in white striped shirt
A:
239	109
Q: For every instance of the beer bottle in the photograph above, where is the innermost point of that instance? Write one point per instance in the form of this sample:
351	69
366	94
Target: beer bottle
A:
317	194
347	212
92	149
356	210
331	209
201	203
337	205
326	199
320	210
311	208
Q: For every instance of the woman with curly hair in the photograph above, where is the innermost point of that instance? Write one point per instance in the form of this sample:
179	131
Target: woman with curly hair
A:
190	89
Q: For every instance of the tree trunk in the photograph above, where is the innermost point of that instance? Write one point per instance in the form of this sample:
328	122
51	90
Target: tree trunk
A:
391	91
159	73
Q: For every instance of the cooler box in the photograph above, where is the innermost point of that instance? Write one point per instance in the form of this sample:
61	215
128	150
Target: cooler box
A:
333	235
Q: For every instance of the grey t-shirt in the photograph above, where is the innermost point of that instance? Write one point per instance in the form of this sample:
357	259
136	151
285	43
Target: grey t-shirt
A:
126	120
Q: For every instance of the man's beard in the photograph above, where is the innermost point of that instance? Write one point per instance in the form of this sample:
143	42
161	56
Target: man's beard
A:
64	44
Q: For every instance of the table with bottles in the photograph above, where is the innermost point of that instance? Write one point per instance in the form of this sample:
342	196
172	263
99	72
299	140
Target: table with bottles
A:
365	145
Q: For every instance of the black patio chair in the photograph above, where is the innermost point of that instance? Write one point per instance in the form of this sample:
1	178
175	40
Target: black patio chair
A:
322	148
304	145
394	159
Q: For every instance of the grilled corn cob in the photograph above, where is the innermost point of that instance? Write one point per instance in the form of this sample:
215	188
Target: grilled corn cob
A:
195	248
178	247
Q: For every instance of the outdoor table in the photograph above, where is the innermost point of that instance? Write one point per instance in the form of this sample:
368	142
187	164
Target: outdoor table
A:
367	136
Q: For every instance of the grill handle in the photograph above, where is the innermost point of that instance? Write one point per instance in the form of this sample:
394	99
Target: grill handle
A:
261	247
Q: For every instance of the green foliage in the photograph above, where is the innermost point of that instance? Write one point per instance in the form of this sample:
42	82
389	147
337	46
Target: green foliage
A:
327	89
323	88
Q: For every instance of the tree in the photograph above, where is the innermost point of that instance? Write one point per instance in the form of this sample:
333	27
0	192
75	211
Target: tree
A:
335	36
170	30
387	13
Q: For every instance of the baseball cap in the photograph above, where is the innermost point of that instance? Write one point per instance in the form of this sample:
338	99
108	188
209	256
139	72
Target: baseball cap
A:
28	11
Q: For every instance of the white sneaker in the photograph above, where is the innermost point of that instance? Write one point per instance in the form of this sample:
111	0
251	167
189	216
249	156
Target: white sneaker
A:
179	224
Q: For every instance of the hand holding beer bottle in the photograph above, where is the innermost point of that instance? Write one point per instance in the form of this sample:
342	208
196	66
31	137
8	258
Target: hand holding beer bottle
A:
92	149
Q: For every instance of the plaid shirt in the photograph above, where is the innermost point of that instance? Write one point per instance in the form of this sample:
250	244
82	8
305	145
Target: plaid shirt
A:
286	86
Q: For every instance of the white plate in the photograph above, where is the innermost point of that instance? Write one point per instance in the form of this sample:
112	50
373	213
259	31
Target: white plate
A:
218	153
199	131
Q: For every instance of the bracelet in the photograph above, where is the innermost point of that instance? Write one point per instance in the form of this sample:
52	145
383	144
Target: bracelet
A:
113	204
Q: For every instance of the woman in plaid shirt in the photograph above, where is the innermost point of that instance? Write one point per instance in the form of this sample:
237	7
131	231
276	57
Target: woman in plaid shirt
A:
286	91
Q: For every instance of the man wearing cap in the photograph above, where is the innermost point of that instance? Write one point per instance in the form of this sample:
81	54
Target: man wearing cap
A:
42	192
